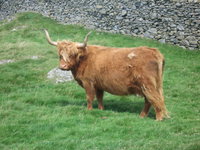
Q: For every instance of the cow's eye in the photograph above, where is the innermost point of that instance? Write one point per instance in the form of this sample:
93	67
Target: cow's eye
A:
61	57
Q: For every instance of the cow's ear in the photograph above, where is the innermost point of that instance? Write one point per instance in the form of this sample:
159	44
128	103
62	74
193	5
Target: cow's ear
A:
79	57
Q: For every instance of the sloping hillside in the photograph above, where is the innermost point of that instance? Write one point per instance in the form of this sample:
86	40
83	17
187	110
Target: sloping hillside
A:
36	113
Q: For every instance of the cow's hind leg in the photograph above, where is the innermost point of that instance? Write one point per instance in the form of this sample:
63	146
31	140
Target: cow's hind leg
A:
99	95
146	108
156	99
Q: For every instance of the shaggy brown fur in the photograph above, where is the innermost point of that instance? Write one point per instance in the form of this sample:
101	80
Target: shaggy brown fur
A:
119	71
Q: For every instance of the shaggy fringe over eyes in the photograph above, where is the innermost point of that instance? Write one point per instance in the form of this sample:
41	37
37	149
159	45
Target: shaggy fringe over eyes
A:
69	47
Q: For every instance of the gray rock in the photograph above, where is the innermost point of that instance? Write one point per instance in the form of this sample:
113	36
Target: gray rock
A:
153	30
148	35
124	13
185	43
178	5
168	19
181	33
180	27
153	15
5	61
138	4
133	7
180	37
103	11
35	57
99	6
58	75
172	25
162	41
119	17
192	40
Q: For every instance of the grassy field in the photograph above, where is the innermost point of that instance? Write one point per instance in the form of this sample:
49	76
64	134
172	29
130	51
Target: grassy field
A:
36	113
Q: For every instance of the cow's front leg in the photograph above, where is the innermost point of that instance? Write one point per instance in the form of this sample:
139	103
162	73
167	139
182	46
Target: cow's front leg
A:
90	94
99	95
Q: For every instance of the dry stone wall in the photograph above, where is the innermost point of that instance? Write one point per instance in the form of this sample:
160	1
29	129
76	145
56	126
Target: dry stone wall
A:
164	20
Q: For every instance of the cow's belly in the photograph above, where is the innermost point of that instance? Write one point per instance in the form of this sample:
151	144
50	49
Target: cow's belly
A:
119	84
115	86
116	90
123	90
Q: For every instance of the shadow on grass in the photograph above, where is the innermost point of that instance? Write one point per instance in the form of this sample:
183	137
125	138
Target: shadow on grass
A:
112	105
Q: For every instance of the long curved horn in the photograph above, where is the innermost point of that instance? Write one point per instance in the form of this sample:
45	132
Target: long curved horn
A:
49	39
84	44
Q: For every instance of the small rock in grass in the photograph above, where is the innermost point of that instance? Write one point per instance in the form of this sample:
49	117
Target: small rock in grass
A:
6	61
59	75
35	57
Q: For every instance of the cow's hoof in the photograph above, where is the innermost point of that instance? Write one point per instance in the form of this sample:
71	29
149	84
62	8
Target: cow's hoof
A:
159	119
89	108
101	107
143	115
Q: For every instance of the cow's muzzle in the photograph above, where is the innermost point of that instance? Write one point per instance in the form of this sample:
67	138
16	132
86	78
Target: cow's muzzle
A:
65	67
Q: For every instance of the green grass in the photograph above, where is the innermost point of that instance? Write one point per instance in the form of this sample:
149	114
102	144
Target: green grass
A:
37	114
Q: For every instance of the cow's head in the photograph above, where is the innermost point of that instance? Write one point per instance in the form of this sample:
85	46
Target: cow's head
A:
69	52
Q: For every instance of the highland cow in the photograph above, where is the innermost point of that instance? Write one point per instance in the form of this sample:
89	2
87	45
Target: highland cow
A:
119	71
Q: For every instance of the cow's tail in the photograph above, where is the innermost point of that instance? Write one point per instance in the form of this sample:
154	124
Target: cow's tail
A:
160	85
